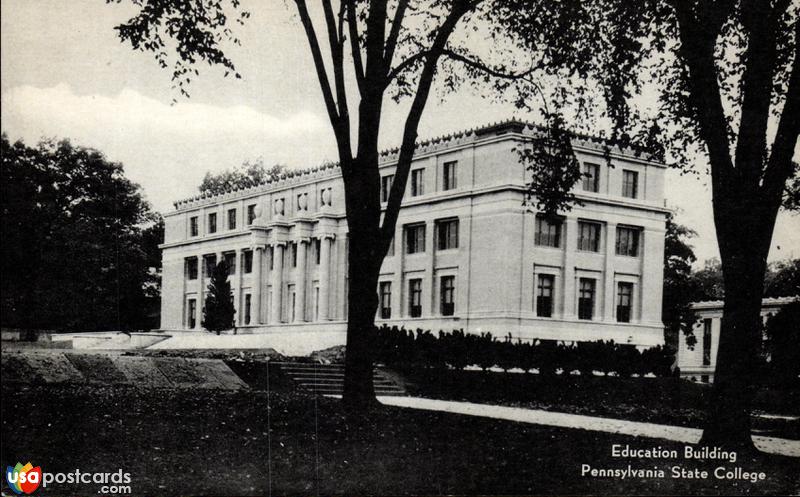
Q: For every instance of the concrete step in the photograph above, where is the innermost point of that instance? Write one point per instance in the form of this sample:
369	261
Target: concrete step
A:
328	379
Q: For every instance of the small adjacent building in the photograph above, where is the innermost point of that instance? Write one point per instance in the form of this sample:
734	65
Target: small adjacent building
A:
467	253
698	363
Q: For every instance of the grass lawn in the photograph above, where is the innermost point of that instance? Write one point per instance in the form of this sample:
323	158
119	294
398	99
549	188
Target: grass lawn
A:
656	400
186	442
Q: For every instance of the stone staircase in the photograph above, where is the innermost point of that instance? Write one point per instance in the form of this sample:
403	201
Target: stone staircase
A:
328	379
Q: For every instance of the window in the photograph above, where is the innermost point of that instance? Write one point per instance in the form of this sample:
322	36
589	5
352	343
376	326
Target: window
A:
386	186
247	305
212	222
544	295
251	214
447	295
231	219
192	313
211	263
586	298
230	262
415	238
707	342
627	241
385	292
417	185
317	250
415	298
248	261
447	232
191	268
449	181
591	178
588	236
292	303
193	229
548	232
630	183
624	302
293	248
390	250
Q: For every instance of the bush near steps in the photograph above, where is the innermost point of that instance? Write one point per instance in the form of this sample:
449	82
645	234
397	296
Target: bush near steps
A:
401	348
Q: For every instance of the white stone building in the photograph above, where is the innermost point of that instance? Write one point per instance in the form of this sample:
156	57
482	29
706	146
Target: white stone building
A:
699	362
466	254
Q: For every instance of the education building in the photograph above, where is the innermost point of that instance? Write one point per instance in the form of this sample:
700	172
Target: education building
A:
467	253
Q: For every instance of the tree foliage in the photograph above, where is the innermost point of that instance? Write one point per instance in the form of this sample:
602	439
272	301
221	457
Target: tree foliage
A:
247	175
678	284
80	243
218	312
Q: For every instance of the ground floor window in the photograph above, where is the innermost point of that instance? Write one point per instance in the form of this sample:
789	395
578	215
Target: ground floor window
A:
624	302
247	307
447	295
544	295
415	298
191	313
707	342
586	298
386	299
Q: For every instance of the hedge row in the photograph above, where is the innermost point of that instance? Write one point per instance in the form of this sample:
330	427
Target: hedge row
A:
403	348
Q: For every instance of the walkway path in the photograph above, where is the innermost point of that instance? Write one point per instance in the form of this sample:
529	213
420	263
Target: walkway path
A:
772	445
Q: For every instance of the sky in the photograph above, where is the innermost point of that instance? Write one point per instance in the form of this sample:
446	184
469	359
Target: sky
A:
65	74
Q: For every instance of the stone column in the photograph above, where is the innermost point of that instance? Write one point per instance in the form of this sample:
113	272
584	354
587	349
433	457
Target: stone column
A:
300	281
277	280
238	301
608	272
570	247
201	287
255	300
324	276
429	283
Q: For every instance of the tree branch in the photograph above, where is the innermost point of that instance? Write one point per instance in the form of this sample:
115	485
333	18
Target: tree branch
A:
408	144
355	45
474	63
336	41
394	33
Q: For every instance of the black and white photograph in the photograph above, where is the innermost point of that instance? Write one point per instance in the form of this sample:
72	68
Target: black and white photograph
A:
400	247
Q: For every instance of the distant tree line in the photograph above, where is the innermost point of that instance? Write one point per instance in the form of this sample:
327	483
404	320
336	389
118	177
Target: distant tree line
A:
80	243
403	348
250	173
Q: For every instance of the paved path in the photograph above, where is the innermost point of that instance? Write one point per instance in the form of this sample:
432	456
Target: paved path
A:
562	420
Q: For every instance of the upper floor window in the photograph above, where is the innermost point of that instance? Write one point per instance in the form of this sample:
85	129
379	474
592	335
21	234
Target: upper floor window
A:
293	247
544	295
251	214
415	298
386	186
548	232
449	173
385	292
588	236
248	261
417	183
317	250
586	298
630	184
230	262
415	238
447	292
591	178
624	302
212	222
447	231
210	263
231	219
191	268
194	230
627	241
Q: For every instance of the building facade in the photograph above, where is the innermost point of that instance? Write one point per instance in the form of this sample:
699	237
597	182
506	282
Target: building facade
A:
467	254
698	362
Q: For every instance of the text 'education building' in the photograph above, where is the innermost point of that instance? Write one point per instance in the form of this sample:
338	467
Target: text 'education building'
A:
467	254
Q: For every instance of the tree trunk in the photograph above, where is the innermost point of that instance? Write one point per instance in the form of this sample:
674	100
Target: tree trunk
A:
744	247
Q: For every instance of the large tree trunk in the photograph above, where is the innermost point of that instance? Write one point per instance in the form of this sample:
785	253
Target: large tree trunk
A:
744	246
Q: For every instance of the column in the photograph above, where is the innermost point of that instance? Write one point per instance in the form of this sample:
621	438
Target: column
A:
608	272
201	284
277	280
300	281
398	291
324	276
238	301
570	246
429	283
255	300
